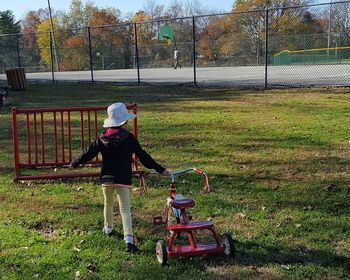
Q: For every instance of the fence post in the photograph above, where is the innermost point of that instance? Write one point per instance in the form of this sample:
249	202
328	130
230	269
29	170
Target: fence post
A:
194	50
137	54
18	56
90	55
266	43
15	142
52	63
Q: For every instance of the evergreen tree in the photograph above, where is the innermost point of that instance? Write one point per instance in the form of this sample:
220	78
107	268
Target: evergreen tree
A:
8	24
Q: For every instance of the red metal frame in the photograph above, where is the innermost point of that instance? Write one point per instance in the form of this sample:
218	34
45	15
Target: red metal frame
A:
188	227
37	154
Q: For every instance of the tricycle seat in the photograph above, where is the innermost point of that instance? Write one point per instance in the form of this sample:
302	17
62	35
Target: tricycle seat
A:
183	203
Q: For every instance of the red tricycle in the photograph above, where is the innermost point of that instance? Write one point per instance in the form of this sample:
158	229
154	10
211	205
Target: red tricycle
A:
178	220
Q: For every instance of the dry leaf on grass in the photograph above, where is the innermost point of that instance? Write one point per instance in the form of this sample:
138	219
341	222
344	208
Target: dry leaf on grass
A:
330	187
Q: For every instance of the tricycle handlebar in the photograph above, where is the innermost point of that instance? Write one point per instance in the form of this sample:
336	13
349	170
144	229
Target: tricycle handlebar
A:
198	171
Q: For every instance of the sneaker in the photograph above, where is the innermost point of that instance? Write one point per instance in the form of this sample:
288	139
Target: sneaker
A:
131	248
107	230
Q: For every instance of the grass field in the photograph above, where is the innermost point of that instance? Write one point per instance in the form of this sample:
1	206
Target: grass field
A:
278	163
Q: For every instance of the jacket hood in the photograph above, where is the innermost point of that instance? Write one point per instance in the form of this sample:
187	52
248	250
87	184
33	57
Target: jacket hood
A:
113	137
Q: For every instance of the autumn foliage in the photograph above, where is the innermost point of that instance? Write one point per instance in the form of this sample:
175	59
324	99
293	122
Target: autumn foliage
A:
228	39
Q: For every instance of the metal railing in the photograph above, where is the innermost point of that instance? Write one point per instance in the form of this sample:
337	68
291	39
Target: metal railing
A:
238	48
50	137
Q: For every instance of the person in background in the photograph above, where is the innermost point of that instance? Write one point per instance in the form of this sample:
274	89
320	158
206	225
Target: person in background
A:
176	58
117	145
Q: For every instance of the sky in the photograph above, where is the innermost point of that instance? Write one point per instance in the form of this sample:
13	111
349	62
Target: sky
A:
20	7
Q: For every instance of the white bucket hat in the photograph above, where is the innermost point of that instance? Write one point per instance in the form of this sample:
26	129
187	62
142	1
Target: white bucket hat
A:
117	115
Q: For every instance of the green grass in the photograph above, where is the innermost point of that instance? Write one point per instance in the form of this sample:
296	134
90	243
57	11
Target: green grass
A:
278	163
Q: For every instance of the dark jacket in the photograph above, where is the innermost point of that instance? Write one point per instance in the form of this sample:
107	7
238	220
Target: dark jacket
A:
117	147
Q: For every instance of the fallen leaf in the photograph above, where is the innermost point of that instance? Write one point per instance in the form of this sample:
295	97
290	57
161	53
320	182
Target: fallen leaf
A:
297	225
285	266
241	215
271	216
91	268
263	208
308	208
76	249
330	187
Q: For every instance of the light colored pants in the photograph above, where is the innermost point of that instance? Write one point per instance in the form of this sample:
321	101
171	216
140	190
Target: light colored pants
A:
123	195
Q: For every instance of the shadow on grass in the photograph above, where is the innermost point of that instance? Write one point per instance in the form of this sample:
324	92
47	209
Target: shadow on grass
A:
6	170
258	254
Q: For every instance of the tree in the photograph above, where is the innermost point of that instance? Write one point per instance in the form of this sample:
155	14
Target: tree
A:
8	24
243	40
29	51
110	40
79	15
76	57
43	39
339	25
8	44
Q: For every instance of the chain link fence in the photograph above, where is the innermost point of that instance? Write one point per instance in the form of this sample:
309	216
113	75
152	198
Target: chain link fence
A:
291	46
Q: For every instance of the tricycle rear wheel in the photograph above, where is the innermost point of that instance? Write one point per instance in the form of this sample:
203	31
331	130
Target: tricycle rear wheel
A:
161	252
229	245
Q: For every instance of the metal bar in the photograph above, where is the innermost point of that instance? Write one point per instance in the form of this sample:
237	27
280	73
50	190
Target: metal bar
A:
35	139
266	44
194	50
15	142
137	54
82	130
89	128
53	163
69	137
135	132
134	122
96	132
90	55
53	37
58	176
62	137
42	137
28	138
55	135
191	240
52	63
69	109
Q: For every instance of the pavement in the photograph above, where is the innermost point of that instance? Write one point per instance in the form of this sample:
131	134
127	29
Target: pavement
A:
299	75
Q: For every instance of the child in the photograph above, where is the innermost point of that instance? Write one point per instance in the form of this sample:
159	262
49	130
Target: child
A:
117	145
